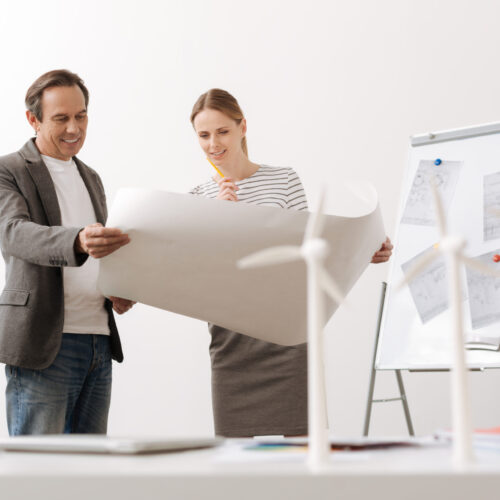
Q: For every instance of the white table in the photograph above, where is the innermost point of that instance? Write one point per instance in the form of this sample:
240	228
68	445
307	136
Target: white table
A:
403	474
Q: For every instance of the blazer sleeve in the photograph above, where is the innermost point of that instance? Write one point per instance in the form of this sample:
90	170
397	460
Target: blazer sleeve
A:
27	240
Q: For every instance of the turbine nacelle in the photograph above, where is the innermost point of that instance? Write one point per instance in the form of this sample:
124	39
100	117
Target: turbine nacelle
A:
452	243
315	248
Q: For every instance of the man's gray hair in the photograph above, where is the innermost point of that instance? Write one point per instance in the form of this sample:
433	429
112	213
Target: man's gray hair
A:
55	78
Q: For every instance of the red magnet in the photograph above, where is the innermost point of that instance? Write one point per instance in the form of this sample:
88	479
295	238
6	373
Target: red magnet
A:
496	258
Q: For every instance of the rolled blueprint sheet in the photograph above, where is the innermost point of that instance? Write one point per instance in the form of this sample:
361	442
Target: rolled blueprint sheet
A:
183	253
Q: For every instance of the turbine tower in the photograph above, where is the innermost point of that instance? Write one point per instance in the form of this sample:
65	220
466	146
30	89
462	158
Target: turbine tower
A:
452	247
313	250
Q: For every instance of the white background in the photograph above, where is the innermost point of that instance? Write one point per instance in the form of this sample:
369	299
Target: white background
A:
332	88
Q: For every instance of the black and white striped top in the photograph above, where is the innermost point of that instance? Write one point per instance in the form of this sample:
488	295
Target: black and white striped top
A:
270	186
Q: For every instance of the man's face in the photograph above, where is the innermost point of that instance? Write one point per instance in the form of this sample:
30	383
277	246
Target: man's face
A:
61	133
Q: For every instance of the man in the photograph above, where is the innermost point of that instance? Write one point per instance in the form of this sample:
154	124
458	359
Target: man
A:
57	331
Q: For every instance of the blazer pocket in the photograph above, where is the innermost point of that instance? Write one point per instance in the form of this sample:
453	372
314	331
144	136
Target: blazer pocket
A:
14	297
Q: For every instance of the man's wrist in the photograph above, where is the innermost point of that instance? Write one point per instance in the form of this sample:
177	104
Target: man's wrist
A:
78	243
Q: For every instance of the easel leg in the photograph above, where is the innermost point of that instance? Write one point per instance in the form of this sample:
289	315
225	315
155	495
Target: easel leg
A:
399	378
406	409
369	401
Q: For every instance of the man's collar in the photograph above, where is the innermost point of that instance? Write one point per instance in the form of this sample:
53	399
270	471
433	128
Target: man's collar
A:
30	152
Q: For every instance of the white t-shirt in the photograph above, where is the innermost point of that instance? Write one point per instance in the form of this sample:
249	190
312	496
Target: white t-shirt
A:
84	310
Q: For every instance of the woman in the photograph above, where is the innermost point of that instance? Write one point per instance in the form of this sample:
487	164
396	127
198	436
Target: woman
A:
258	388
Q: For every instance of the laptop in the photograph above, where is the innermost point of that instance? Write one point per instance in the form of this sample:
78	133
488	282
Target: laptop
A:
95	443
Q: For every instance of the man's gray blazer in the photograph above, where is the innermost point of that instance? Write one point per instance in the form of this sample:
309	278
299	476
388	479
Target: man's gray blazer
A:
35	248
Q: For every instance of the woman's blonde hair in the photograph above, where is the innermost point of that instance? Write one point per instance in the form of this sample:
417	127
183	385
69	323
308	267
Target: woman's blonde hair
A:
224	102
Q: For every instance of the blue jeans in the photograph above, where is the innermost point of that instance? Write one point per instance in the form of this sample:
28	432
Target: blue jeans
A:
72	395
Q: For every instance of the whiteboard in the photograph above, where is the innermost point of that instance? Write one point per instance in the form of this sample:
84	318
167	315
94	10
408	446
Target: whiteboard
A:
418	337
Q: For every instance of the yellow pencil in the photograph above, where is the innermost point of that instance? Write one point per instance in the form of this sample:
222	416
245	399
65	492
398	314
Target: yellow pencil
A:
218	171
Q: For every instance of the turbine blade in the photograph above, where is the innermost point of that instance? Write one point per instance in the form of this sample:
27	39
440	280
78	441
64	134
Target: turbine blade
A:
480	267
438	205
415	270
330	287
269	256
316	219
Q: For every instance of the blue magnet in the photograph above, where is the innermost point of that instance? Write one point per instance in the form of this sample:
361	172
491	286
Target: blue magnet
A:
437	161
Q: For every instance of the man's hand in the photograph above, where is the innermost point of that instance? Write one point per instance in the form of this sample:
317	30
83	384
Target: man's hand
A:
227	188
121	305
99	241
384	253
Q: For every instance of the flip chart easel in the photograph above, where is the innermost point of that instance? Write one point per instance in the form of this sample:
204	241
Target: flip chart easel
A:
412	331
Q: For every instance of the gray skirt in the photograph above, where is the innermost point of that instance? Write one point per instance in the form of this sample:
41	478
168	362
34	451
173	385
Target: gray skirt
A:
258	388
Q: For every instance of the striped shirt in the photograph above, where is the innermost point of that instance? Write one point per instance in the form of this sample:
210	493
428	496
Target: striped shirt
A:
270	186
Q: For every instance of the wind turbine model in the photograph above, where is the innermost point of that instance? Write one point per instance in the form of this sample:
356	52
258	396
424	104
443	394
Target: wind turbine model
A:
314	251
452	247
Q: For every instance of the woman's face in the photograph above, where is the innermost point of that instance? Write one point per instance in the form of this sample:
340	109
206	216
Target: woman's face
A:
219	136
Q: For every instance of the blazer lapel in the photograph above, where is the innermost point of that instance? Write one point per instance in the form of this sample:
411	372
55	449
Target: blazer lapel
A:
93	189
43	182
45	186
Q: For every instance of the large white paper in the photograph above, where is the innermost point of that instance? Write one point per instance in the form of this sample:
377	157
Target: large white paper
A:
184	249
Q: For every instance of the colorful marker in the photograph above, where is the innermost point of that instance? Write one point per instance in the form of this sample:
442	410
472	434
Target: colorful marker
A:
218	171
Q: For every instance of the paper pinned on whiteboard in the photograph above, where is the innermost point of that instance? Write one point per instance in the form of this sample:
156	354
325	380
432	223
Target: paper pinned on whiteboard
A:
183	253
491	206
484	293
429	288
419	207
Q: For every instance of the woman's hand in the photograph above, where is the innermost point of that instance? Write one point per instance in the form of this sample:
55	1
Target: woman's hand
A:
227	189
384	253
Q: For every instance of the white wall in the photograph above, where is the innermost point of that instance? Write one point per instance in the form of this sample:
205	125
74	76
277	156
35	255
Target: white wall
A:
331	88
